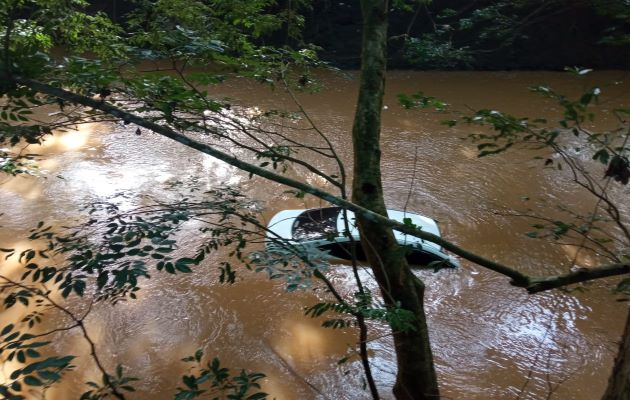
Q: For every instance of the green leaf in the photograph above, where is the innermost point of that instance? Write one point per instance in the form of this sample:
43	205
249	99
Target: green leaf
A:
79	287
32	353
6	329
102	279
66	291
408	222
36	344
602	155
182	266
623	286
49	375
169	268
343	360
586	98
51	362
32	381
17	386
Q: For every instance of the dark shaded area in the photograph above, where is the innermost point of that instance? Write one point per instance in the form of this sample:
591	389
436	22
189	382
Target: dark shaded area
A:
343	250
116	9
545	35
619	169
567	35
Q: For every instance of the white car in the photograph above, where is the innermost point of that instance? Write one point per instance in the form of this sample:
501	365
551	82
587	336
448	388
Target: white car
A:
323	228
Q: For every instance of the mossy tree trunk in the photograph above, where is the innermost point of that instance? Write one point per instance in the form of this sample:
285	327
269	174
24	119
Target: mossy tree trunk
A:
619	383
416	378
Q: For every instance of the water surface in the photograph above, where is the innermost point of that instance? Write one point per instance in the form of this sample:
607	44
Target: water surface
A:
491	340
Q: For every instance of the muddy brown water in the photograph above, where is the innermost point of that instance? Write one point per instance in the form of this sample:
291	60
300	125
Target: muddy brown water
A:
490	340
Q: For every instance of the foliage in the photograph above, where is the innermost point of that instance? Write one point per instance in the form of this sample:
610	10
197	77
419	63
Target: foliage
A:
420	101
16	128
222	384
398	318
42	373
593	160
617	33
498	33
293	19
117	247
437	51
572	145
118	383
14	164
297	264
104	259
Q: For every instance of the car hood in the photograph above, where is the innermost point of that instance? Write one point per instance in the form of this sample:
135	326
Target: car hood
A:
281	224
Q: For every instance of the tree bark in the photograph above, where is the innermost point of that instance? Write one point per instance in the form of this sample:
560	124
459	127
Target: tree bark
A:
619	382
416	377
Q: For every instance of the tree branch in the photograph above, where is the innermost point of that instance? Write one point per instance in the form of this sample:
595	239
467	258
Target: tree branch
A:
77	322
540	284
532	284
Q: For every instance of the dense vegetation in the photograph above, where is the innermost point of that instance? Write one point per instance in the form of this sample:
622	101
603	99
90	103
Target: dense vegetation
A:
460	34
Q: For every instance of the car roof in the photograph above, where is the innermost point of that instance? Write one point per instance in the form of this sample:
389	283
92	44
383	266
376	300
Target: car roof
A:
420	221
283	223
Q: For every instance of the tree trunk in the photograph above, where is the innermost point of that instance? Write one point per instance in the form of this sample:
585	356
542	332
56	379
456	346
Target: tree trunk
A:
619	382
416	378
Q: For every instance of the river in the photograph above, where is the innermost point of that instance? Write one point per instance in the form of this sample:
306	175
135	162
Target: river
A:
490	340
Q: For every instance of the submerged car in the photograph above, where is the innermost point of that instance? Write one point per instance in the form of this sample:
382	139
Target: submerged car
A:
324	228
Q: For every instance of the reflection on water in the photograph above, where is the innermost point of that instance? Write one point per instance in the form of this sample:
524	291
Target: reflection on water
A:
69	140
491	341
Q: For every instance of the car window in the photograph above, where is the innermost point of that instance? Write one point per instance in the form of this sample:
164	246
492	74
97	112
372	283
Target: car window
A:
420	257
343	250
318	223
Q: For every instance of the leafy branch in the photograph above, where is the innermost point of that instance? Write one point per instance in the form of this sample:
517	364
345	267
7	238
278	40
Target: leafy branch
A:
50	369
219	380
517	278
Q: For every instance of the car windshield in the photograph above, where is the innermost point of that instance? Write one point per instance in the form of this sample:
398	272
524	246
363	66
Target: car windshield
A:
316	224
